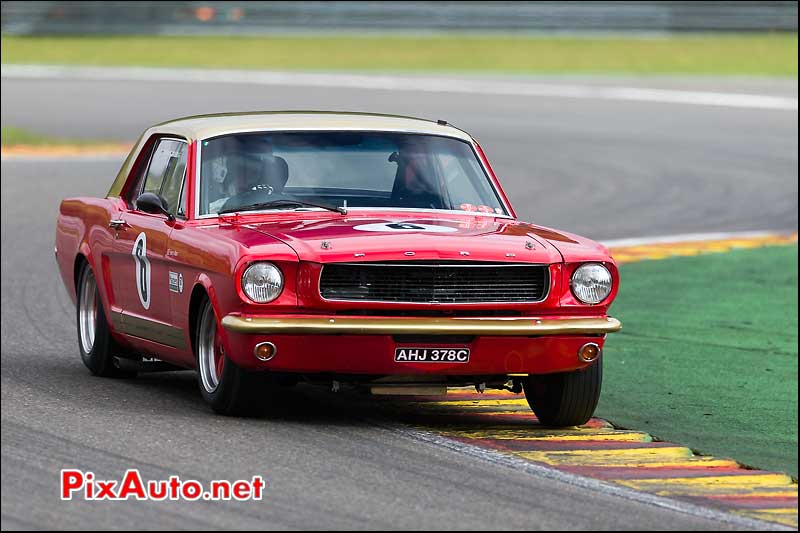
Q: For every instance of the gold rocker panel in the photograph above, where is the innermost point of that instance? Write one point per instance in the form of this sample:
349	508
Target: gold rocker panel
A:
149	330
420	326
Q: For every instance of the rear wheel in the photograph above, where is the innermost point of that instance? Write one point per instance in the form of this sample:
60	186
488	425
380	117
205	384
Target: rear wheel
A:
566	399
94	335
228	389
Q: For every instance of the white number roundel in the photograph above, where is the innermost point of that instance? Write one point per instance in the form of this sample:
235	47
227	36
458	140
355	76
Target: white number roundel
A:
405	227
142	269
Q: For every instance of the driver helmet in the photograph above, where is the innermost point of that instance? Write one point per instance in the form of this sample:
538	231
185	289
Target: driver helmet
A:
218	168
416	174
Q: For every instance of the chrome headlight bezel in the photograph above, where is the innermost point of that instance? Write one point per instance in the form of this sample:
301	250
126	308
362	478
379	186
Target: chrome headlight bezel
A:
262	282
591	283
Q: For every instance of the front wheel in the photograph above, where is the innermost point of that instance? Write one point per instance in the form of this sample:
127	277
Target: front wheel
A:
565	399
227	388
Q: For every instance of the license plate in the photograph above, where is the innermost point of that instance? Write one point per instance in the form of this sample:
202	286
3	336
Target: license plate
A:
431	355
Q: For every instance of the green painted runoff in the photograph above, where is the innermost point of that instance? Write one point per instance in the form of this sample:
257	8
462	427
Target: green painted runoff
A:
707	356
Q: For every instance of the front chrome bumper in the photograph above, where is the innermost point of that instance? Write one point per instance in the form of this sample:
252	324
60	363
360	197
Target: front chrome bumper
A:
313	325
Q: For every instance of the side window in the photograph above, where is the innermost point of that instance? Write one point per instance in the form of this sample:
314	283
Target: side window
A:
139	173
182	202
158	164
166	172
172	184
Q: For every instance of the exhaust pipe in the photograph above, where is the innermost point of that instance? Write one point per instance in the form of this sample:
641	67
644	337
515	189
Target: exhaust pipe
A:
411	389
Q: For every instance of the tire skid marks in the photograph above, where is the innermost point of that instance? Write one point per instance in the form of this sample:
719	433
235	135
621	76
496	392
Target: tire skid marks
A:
503	422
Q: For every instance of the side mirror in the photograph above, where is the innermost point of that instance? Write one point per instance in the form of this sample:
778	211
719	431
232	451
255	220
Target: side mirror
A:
150	202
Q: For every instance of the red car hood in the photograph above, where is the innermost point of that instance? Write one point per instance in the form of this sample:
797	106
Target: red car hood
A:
403	237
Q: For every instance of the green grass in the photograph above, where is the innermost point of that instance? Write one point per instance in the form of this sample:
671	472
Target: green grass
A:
705	54
17	136
708	354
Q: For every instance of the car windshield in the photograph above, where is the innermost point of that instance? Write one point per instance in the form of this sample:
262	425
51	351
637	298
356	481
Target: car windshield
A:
350	169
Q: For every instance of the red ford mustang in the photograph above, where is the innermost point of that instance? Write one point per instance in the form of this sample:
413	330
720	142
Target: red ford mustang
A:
264	249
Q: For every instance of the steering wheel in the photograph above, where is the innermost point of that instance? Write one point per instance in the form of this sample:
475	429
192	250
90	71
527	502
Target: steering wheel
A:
420	201
256	195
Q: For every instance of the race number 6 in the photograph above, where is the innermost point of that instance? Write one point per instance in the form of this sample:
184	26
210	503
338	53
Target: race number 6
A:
139	253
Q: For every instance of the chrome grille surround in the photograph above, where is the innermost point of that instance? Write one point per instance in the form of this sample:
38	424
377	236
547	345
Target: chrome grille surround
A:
421	282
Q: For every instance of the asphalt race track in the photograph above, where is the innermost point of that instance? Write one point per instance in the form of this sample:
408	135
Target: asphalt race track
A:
606	169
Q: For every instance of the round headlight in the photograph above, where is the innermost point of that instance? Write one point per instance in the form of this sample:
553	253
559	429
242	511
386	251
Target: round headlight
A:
262	282
591	283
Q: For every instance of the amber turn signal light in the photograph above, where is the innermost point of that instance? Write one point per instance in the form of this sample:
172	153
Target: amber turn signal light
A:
589	352
264	351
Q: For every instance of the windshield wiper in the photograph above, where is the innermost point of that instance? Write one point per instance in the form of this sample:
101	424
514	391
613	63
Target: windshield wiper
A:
283	203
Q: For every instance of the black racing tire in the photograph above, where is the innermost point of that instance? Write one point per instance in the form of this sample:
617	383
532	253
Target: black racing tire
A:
234	391
95	343
565	399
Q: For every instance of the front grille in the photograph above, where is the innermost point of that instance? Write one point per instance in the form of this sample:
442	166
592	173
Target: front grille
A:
415	282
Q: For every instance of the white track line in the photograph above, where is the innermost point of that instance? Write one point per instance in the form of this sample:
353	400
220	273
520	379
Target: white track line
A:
403	83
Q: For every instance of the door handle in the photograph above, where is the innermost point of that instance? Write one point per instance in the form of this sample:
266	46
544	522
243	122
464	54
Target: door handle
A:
118	224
